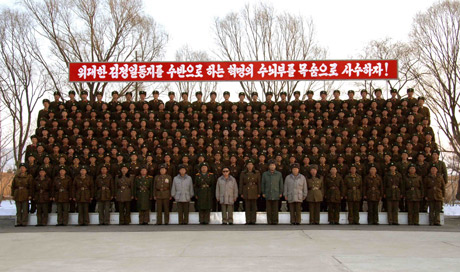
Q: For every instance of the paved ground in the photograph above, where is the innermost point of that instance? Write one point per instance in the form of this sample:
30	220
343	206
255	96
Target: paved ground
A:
230	248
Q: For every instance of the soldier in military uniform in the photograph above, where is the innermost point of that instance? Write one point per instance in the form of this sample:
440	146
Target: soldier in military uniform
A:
393	183
333	184
352	192
162	194
372	192
21	189
204	192
41	192
413	194
250	191
315	194
434	188
61	192
83	193
143	194
124	187
104	194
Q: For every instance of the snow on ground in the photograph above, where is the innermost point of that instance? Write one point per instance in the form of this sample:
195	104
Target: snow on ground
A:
7	207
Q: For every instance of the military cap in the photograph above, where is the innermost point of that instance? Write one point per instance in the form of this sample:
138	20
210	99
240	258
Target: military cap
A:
114	92
46	101
271	162
254	93
182	166
337	91
392	164
295	165
296	92
393	91
71	92
410	90
22	164
434	165
283	93
351	91
322	92
309	92
84	93
372	165
142	93
164	165
98	93
314	166
226	92
353	165
363	91
269	93
377	90
155	92
129	93
171	93
183	93
249	161
436	151
213	93
63	168
421	98
412	165
204	164
84	167
57	93
241	94
199	93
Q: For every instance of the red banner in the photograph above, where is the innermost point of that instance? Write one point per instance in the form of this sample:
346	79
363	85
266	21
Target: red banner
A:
234	71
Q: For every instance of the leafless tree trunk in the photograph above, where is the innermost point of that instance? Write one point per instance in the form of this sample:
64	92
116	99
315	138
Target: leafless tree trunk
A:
191	87
257	33
22	82
435	37
94	31
388	49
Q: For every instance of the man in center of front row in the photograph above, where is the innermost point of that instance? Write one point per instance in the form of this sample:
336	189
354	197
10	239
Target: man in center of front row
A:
272	188
295	191
182	191
226	194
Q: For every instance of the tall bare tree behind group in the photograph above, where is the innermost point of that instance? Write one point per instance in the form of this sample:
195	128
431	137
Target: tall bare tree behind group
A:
94	31
385	49
22	81
435	37
191	87
258	33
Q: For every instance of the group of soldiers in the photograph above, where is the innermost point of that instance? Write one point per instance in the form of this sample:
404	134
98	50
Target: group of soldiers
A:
318	155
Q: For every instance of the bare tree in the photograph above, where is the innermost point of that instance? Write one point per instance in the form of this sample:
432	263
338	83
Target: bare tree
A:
389	49
22	81
435	36
191	87
94	31
257	33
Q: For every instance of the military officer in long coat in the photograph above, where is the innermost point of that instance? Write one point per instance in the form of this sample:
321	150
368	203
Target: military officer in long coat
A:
162	194
372	193
413	193
104	194
434	194
249	190
143	191
315	194
21	189
41	192
204	192
61	192
124	193
352	192
83	193
393	183
333	184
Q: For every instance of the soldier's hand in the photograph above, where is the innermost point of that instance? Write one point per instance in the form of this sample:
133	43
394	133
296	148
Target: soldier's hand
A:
258	195
132	197
263	195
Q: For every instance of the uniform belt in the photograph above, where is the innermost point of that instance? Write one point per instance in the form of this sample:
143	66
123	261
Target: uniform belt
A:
104	188
62	190
205	186
395	186
123	187
333	187
315	188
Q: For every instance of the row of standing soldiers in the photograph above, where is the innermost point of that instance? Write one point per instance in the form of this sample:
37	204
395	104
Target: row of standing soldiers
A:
297	189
